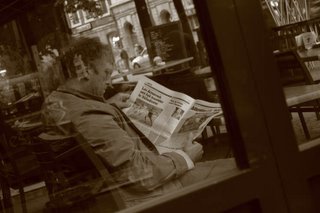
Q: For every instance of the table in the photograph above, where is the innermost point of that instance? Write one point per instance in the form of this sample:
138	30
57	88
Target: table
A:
301	94
164	69
309	55
311	60
298	95
155	70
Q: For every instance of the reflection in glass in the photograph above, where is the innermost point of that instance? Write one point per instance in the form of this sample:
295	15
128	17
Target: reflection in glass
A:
87	56
298	65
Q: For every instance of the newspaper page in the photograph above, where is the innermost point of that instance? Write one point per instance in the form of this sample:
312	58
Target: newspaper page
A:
168	118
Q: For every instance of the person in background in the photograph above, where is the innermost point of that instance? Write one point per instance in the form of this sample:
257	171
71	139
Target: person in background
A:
122	57
5	98
126	152
125	58
138	49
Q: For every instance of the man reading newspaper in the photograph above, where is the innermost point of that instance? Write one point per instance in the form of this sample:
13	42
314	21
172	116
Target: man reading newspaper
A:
129	155
168	118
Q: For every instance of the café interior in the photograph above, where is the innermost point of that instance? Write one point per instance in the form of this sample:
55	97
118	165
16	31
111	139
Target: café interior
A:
256	61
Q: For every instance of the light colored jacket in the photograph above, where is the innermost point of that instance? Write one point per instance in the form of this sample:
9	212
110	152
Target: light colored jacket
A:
128	155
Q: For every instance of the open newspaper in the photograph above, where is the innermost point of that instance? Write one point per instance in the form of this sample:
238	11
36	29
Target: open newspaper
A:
166	117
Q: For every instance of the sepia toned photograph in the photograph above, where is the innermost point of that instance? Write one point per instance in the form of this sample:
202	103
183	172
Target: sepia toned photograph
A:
159	106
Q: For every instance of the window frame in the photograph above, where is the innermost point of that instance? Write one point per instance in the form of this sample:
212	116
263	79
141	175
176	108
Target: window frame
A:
69	18
107	7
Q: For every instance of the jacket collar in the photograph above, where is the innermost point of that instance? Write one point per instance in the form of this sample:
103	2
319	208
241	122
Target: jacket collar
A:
80	94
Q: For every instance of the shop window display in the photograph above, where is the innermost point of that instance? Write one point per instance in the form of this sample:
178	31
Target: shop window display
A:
20	89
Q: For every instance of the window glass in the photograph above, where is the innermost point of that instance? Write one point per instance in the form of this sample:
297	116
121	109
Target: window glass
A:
74	19
294	41
129	108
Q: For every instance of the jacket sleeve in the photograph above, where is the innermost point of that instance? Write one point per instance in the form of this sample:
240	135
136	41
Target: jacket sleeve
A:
127	155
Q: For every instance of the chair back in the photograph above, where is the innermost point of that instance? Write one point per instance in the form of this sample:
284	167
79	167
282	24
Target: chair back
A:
185	82
73	172
18	166
292	69
15	155
283	37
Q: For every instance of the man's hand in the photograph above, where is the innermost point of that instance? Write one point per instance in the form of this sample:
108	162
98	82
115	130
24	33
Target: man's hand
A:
120	99
193	149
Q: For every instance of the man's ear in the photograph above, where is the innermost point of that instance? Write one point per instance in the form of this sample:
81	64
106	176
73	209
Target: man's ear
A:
86	74
83	74
81	70
89	71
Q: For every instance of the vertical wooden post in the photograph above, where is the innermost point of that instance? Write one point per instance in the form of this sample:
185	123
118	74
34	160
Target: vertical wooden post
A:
143	14
62	30
144	18
182	16
187	30
306	7
281	12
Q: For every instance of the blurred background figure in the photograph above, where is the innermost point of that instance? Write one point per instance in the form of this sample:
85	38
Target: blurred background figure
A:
138	49
141	57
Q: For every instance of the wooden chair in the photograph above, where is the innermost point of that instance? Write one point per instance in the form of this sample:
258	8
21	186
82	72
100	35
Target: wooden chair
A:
18	167
283	37
185	82
73	173
293	72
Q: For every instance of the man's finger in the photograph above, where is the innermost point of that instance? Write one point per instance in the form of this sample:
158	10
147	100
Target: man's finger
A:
125	96
190	138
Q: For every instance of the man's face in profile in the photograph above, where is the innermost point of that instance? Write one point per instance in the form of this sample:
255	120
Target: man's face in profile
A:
101	76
